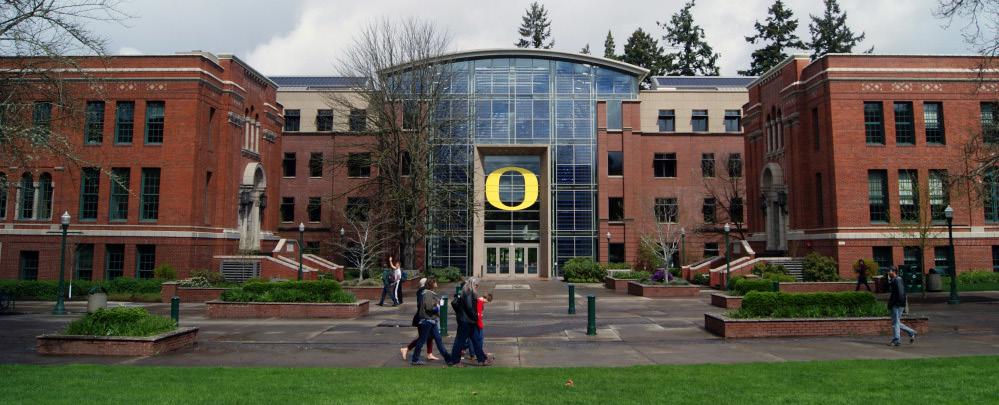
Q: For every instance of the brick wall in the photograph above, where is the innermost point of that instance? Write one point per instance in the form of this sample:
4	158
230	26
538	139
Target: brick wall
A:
660	291
116	346
753	328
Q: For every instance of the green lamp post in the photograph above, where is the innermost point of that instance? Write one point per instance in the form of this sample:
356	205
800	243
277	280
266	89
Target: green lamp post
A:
949	214
60	307
301	236
728	266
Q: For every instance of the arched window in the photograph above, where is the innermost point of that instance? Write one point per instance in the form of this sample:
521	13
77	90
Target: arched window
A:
44	196
27	197
3	196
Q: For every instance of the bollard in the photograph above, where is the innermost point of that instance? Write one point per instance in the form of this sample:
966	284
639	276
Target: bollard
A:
443	315
776	286
175	309
572	299
591	315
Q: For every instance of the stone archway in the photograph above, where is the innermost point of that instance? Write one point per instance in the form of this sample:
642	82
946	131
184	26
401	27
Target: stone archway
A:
774	200
252	201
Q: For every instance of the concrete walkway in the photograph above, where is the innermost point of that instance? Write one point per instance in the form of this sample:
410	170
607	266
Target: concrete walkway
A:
526	326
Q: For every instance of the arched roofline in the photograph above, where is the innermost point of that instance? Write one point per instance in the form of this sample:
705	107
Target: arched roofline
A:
638	72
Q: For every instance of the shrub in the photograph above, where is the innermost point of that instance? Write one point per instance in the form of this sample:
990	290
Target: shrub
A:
631	275
820	268
732	280
583	270
675	271
213	277
978	277
702	278
47	290
649	257
368	282
445	274
757	304
783	278
120	321
616	266
762	268
289	291
872	268
745	285
165	272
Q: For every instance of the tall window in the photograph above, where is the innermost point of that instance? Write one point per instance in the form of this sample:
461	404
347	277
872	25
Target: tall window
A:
708	165
84	261
359	165
819	200
292	120
913	257
664	164
26	197
29	264
357	208
666	121
407	163
316	164
874	124
615	209
995	259
667	210
114	261
154	121
735	165
41	116
816	135
711	249
908	195
882	255
324	120
735	209
44	197
905	133
410	115
934	120
90	182
311	247
990	126
287	209
149	198
315	209
358	120
708	210
941	258
120	180
699	120
145	261
615	253
288	165
733	120
614	114
877	195
3	195
124	121
615	163
93	128
938	194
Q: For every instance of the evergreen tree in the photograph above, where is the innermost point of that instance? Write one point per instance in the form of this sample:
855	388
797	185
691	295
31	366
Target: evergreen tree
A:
535	28
777	35
692	55
643	50
610	47
585	50
830	33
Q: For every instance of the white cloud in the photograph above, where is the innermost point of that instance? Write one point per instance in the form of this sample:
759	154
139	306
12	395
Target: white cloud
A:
127	50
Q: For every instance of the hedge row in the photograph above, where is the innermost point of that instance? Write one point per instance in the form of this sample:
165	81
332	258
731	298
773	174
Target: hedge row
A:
289	291
744	285
978	277
120	321
47	290
757	304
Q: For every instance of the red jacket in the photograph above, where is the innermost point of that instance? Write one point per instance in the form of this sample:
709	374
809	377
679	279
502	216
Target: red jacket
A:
479	306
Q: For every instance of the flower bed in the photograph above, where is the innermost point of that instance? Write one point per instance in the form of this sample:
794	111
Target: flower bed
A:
726	327
290	310
662	290
189	294
726	301
116	345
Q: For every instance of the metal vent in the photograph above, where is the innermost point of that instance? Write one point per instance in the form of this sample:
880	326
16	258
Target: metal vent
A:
240	270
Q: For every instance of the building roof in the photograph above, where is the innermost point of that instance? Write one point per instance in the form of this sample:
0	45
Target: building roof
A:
702	82
636	71
318	82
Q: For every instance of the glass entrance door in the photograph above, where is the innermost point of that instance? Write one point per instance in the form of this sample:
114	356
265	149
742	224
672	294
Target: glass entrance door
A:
511	261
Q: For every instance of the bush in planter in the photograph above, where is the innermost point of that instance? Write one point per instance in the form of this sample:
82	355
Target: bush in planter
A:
120	321
616	266
444	274
732	280
977	277
368	282
213	277
631	275
783	278
702	278
820	268
649	257
583	270
762	268
745	285
48	289
289	291
165	272
757	304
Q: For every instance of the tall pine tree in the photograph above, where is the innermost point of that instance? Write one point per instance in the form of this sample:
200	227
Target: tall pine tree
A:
643	50
609	47
830	33
535	28
777	35
691	54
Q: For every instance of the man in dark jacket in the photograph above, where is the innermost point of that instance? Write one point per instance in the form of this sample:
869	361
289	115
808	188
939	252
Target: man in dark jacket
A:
862	275
896	304
468	325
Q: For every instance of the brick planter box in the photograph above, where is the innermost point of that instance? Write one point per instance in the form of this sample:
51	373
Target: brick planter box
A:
189	294
662	291
726	301
617	284
368	293
819	286
726	327
298	310
116	345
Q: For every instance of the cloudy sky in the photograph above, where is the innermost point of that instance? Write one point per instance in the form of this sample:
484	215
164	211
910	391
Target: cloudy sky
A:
306	36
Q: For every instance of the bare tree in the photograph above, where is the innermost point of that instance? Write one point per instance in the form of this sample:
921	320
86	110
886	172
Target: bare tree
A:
728	190
662	229
915	224
366	240
982	29
408	109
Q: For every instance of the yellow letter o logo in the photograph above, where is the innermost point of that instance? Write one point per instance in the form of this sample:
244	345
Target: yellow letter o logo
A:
530	188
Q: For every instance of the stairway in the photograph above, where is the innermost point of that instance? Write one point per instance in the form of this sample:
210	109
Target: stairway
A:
794	266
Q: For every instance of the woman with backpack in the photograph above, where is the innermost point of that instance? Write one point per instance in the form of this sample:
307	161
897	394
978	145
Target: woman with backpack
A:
466	312
429	306
417	317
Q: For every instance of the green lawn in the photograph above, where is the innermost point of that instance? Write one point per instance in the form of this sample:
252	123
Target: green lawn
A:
971	287
926	381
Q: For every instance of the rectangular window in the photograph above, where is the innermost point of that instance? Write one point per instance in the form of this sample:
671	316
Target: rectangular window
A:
905	133
357	208
359	165
288	165
941	258
908	195
118	206
667	210
124	122
816	135
711	249
292	120
149	199
614	114
883	256
995	259
84	261
358	120
315	209
155	121
316	164
699	120
615	209
735	165
407	163
114	261
939	198
708	210
819	200
29	265
41	115
664	164
874	124
733	120
735	209
991	196
3	195
615	253
410	115
93	128
311	247
913	257
90	181
990	126
707	165
287	209
324	120
933	118
615	163
877	195
145	261
667	121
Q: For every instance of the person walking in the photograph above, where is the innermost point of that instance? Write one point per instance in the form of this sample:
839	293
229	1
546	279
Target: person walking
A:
386	284
429	324
397	278
417	317
466	313
896	304
862	275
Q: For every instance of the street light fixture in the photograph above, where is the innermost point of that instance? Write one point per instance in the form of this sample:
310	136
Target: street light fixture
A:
301	236
60	307
683	245
342	231
728	268
949	214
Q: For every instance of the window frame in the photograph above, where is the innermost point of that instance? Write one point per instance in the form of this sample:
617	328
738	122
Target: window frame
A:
905	130
666	117
708	165
668	160
874	129
662	210
884	202
731	115
147	252
123	126
316	161
289	163
150	202
286	211
610	163
324	120
155	122
93	125
938	136
615	209
359	165
120	181
315	206
90	190
698	116
297	114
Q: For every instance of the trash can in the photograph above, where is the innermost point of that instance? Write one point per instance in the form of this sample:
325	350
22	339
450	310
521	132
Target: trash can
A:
933	281
97	298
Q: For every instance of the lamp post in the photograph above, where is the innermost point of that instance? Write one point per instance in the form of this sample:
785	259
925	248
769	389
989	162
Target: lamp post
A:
60	307
949	214
727	228
608	236
683	245
301	236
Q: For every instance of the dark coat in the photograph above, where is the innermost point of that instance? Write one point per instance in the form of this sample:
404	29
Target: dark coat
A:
896	294
468	312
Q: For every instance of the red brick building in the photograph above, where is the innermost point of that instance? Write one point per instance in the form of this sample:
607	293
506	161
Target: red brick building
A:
849	156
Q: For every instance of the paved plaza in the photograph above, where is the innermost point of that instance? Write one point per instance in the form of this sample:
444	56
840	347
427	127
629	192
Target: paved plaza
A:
526	326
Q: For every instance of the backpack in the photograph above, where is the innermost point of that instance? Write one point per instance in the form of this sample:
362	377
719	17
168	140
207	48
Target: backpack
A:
457	306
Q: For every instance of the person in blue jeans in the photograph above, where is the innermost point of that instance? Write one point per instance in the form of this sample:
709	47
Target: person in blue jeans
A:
429	324
468	328
388	286
896	304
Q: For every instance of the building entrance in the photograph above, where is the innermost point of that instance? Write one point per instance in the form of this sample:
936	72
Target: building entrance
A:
511	260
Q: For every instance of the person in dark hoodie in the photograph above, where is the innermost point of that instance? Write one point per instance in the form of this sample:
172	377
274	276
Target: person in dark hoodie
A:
430	304
466	312
896	304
